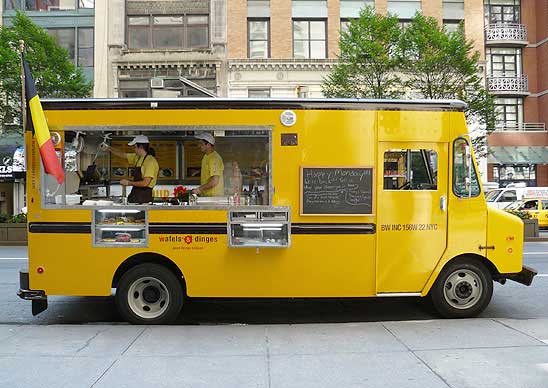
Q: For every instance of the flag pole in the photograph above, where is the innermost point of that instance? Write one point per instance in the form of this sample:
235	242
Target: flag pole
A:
23	96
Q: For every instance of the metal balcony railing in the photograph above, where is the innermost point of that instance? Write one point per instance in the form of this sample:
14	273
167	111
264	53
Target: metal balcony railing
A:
514	84
515	127
513	33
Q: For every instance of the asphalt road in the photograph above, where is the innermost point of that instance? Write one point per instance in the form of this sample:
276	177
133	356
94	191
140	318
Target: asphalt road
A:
512	300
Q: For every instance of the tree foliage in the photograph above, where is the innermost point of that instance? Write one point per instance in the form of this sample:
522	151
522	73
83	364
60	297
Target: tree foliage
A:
55	75
442	65
380	59
368	59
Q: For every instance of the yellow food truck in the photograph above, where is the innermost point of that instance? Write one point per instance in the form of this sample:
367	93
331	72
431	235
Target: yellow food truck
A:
322	198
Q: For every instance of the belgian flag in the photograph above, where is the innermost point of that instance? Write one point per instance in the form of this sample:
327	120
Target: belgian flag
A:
38	122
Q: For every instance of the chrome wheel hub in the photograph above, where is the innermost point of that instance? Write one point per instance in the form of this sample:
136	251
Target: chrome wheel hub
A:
148	297
462	289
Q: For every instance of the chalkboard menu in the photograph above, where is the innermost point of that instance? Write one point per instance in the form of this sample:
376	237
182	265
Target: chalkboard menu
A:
336	190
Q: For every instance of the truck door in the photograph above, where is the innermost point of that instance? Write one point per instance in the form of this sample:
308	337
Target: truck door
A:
412	189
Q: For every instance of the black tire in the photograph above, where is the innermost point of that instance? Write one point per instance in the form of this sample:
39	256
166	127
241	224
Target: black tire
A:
463	289
149	294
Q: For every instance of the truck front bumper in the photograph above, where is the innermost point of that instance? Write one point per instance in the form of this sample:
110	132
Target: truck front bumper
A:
38	297
524	277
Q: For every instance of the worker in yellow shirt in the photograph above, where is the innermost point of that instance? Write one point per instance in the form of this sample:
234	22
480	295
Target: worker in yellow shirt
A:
211	177
145	169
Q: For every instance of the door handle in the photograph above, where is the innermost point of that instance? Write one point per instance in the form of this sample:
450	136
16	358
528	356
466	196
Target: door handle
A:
443	203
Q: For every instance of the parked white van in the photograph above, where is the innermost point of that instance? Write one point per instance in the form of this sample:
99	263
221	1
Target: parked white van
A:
500	198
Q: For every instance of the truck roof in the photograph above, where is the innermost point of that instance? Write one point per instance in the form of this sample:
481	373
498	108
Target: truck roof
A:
252	103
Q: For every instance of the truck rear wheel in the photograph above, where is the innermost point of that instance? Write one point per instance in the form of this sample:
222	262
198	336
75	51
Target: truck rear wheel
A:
463	289
149	294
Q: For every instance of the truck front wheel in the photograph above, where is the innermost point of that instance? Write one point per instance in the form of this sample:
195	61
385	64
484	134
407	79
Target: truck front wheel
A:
463	289
149	294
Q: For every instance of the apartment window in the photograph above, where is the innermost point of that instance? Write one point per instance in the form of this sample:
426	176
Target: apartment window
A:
86	4
258	8
48	5
509	112
404	9
77	41
309	39
350	9
502	11
309	8
168	31
503	62
453	9
258	38
451	25
258	93
85	47
66	38
12	4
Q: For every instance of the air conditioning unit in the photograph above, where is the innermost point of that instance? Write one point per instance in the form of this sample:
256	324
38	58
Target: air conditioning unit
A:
157	83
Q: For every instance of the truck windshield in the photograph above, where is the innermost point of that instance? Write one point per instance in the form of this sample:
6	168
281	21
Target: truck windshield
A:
492	195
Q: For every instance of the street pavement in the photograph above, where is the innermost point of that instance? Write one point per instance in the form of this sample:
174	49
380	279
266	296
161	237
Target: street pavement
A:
80	342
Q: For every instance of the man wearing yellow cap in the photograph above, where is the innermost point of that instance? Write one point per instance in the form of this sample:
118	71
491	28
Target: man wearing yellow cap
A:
211	178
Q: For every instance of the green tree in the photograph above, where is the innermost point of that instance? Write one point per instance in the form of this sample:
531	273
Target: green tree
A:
442	65
368	59
55	75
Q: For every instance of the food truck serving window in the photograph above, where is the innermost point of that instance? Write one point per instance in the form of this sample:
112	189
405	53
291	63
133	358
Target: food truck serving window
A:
93	175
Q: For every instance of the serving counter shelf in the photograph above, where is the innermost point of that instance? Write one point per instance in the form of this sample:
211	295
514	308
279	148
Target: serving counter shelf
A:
259	226
120	227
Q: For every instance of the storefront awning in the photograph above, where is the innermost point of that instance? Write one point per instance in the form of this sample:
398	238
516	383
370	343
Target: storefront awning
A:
518	154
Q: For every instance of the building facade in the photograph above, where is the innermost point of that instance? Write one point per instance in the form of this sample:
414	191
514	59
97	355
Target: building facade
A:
171	48
286	47
516	41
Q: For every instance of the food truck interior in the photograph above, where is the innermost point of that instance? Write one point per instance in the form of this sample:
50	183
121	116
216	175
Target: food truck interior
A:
92	176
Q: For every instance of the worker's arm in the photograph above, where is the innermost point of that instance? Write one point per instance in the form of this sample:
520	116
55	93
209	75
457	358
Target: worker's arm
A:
142	183
211	183
114	151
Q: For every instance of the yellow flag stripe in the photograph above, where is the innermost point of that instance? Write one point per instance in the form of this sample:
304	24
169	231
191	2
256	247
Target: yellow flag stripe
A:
41	131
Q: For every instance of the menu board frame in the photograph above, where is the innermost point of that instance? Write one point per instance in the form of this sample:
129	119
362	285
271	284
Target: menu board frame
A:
327	213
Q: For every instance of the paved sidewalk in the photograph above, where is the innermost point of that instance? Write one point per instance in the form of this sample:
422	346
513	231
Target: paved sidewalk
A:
478	353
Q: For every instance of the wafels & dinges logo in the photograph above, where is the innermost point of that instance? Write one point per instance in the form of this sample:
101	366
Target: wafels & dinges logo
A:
189	239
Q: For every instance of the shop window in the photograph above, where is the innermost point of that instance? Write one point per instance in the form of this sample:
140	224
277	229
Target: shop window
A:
410	169
465	178
515	173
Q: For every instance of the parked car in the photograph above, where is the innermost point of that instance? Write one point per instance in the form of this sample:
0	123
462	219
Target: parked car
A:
500	198
537	207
